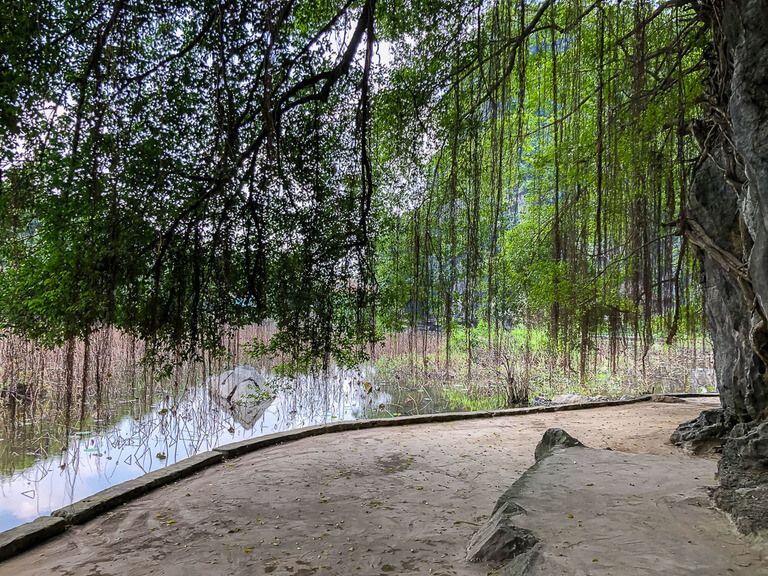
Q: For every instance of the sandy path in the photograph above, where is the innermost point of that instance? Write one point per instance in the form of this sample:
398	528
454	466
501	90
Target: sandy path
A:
381	501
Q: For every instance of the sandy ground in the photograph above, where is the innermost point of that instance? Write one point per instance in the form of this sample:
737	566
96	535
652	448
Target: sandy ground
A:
380	501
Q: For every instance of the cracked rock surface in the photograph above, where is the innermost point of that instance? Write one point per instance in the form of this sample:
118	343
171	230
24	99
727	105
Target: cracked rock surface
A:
586	511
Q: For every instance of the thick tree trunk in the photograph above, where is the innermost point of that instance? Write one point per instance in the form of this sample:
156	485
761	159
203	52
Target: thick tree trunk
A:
727	218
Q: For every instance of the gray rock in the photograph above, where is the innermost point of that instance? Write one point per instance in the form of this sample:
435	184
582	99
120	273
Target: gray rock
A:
244	391
237	384
666	399
499	540
595	511
523	564
748	507
703	380
568	399
705	433
743	471
754	445
728	222
553	439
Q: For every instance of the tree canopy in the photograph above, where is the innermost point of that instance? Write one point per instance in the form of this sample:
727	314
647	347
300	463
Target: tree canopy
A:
347	168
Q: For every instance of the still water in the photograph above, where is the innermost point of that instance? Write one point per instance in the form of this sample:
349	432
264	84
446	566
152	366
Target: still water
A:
36	482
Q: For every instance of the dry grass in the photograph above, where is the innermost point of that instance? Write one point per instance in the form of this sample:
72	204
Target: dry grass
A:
520	366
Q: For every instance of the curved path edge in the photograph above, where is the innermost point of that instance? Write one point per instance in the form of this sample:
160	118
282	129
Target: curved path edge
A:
26	536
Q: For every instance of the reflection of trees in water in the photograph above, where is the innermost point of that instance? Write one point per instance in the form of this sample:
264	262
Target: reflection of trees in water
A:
337	394
134	437
72	383
196	420
48	393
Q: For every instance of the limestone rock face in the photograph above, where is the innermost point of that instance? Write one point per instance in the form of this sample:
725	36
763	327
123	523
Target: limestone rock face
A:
568	399
705	433
714	207
742	212
244	391
580	511
553	439
499	540
728	222
743	471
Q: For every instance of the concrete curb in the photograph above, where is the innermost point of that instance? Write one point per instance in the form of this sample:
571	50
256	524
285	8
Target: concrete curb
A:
253	444
26	536
691	394
19	539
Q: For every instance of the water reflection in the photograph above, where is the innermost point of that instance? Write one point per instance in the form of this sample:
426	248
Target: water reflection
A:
139	440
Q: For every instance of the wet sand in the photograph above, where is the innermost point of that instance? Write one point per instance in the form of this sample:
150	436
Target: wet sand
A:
401	500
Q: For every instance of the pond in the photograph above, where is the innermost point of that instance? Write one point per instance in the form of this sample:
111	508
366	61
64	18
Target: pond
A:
45	468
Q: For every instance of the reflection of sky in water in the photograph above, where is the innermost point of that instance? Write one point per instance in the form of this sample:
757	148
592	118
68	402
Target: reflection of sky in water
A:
169	433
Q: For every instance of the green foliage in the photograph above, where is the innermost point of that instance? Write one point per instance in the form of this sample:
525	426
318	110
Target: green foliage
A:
553	173
165	170
460	401
176	169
